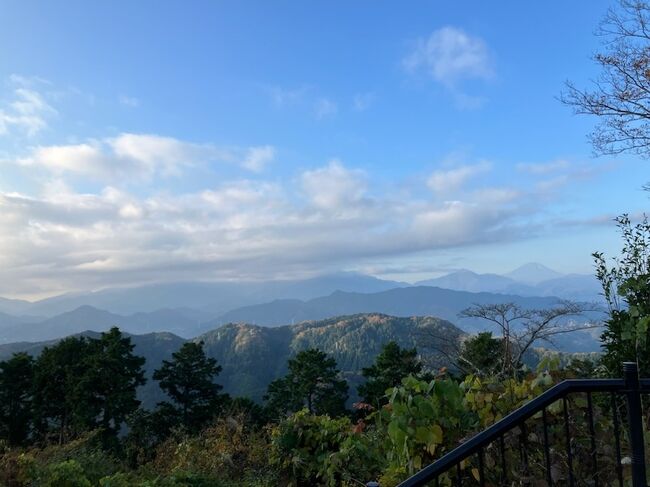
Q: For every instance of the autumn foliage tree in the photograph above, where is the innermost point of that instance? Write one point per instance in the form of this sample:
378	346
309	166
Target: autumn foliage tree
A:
620	96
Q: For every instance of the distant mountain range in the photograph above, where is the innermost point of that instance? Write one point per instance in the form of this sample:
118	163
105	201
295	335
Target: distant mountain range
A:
211	298
252	356
533	273
401	302
411	301
189	309
528	280
408	301
181	322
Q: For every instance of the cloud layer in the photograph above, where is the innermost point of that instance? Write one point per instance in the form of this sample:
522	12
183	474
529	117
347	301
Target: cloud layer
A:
327	217
140	156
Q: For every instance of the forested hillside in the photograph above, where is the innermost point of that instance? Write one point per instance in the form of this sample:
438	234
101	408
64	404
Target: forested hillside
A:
252	356
412	301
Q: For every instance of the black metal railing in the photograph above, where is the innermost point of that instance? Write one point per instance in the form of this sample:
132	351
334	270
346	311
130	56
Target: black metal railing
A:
571	460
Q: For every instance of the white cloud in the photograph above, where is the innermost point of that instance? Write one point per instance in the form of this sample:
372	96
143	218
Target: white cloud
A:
128	101
85	159
153	153
362	101
334	187
450	55
449	180
552	184
496	195
139	156
62	239
544	168
550	176
27	111
241	229
324	107
282	97
257	158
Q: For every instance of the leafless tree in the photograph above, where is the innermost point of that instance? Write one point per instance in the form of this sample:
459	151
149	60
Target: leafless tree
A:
620	96
521	328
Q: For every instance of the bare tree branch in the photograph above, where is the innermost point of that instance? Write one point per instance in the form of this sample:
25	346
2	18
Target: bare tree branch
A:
521	328
620	96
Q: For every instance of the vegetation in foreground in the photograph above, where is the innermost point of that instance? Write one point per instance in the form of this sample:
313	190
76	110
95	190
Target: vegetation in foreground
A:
71	417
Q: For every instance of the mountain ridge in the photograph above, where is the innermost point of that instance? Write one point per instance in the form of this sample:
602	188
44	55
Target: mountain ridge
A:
252	356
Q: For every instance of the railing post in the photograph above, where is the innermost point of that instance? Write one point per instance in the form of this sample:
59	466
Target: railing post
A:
635	423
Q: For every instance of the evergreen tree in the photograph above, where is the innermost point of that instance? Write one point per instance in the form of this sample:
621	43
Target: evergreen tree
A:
391	365
482	355
58	397
188	379
312	382
16	375
112	376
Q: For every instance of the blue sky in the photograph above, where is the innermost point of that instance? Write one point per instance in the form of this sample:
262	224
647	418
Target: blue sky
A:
146	141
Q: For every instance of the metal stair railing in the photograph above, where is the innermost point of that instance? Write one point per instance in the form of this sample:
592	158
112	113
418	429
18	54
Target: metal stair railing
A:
630	386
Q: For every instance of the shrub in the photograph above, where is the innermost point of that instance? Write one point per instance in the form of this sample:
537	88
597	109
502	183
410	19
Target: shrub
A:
228	450
64	474
422	420
318	449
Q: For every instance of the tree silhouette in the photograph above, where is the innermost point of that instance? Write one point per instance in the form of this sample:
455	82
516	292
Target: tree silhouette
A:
312	382
188	379
113	374
16	375
59	407
390	367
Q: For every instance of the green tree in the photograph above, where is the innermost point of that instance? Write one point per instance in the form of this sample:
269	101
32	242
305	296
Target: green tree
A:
16	375
312	382
188	379
482	355
109	383
626	287
58	405
391	365
582	367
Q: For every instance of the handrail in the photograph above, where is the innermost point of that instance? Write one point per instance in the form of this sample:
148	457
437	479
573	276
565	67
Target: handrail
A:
534	406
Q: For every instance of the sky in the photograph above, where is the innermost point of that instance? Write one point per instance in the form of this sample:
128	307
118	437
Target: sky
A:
162	141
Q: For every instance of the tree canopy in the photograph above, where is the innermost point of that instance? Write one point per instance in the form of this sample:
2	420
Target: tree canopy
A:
626	287
482	354
391	365
16	375
188	379
312	382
